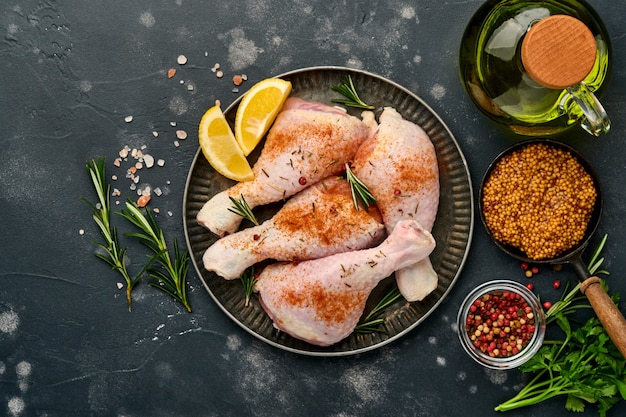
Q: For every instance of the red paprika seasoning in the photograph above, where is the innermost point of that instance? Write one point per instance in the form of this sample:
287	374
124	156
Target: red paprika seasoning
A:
500	323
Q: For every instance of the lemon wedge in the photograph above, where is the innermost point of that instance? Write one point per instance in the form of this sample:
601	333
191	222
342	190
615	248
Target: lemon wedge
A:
220	148
257	111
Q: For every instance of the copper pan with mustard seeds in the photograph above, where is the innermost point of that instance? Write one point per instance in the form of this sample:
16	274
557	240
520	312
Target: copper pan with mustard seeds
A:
540	201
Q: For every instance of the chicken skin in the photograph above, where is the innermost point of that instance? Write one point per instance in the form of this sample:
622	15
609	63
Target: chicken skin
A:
308	142
399	166
318	221
320	301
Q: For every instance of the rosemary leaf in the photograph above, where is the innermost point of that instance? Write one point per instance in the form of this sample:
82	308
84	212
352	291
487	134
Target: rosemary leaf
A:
572	300
360	192
242	208
112	253
248	279
170	272
348	90
372	321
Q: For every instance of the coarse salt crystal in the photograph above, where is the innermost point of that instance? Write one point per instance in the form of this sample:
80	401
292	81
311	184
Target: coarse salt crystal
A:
158	192
156	210
143	200
176	143
149	160
123	153
117	162
161	162
182	59
120	285
128	119
114	177
81	232
155	133
181	134
172	124
138	165
219	74
169	213
136	179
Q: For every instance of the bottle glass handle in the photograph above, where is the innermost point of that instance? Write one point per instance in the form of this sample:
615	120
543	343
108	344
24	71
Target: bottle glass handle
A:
594	120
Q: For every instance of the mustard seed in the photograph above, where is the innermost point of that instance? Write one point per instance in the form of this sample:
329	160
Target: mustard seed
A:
538	199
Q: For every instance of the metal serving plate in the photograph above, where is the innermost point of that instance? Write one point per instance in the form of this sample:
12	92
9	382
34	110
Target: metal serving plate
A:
452	229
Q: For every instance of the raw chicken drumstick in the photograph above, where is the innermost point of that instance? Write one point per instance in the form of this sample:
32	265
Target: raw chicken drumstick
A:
320	301
308	142
318	221
399	166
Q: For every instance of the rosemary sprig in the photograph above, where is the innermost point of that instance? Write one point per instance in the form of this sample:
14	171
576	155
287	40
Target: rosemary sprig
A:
242	208
248	279
348	90
360	192
573	299
372	321
171	277
113	254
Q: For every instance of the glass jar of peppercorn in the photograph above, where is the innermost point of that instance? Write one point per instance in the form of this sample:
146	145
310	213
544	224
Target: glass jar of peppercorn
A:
501	324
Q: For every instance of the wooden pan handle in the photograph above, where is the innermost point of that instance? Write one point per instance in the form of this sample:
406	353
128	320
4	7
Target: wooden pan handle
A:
608	313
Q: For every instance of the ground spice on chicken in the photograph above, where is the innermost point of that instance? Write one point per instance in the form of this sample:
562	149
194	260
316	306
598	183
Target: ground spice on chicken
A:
538	199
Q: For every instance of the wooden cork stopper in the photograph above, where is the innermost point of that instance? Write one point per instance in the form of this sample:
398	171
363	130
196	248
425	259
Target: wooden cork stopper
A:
558	52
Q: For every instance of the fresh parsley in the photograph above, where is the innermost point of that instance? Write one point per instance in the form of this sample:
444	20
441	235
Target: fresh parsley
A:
585	367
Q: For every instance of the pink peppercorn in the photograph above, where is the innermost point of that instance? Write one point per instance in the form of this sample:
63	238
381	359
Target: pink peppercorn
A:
302	181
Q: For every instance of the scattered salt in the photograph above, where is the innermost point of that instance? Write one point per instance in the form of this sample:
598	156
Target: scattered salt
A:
155	133
176	143
182	60
173	124
81	232
128	119
114	177
123	153
158	191
181	134
139	165
219	74
161	162
120	285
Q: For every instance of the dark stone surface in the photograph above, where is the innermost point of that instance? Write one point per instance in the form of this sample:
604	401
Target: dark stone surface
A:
71	72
